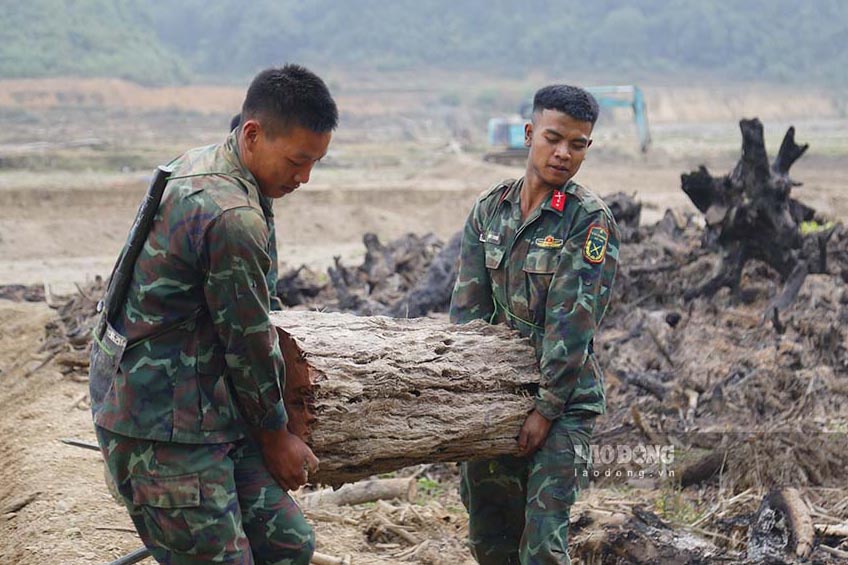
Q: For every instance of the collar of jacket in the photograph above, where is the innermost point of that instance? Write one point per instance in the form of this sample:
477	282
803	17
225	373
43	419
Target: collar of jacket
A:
513	195
230	151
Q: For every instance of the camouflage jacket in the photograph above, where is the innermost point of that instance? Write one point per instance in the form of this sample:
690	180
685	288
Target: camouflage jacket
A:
202	355
550	278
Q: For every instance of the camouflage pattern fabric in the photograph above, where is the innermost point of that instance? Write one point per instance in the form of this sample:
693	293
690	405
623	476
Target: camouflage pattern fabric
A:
202	352
520	506
549	277
210	503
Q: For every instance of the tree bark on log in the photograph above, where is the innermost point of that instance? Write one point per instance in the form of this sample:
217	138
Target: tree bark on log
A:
750	215
376	394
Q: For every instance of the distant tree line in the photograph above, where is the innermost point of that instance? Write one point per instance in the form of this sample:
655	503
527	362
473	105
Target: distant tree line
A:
176	41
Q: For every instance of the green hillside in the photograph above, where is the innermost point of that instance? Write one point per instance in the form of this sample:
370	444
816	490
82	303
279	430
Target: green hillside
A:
41	38
165	41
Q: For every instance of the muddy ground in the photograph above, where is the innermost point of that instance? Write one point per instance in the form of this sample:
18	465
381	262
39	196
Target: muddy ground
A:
74	160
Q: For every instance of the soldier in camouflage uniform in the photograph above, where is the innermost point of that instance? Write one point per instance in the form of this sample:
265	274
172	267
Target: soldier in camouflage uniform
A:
540	254
193	427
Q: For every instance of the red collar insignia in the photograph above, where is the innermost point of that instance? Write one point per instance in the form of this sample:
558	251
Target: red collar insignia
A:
558	201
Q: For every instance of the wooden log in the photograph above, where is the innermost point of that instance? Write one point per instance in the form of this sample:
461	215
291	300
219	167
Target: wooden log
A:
404	489
782	526
376	394
798	514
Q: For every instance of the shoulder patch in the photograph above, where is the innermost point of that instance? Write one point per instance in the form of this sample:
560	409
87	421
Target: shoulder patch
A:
595	247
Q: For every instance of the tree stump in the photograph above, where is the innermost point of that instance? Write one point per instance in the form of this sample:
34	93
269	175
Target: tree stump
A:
432	293
376	394
750	215
627	212
640	539
387	275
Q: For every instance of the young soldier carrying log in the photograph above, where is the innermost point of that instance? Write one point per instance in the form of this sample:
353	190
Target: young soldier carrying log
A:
187	375
540	254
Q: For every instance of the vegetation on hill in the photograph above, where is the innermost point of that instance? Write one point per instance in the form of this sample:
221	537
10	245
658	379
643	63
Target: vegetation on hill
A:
166	41
83	38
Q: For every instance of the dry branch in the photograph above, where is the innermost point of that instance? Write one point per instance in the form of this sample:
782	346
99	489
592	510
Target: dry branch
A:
322	559
19	503
832	530
404	489
833	551
800	521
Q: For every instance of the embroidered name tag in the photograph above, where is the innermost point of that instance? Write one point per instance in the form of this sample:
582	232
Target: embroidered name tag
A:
595	247
489	237
549	242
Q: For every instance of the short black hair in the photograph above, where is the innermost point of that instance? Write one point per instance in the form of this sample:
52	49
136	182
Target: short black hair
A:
571	100
235	122
287	96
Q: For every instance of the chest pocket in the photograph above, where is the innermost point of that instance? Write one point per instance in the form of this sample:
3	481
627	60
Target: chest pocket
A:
541	261
494	256
539	267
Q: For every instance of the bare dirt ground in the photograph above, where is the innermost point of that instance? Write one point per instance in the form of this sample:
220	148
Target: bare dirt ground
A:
75	158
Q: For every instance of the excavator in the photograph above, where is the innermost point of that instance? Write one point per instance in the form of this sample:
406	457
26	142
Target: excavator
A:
506	134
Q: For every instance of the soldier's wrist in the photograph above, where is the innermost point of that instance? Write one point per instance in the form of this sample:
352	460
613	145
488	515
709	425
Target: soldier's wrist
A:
275	419
548	409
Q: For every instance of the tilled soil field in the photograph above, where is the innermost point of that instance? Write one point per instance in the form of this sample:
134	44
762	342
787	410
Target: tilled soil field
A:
710	381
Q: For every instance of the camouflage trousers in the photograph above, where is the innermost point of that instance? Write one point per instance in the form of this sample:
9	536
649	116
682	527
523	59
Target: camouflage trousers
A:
206	503
519	507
